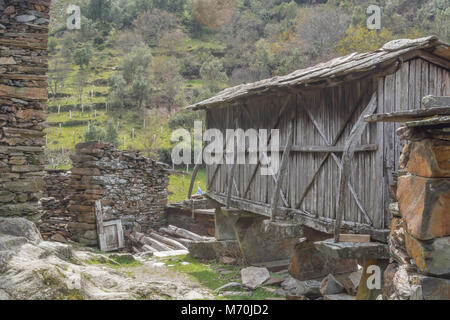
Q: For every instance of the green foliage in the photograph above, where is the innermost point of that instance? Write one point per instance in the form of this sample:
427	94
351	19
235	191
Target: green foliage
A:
131	87
213	73
94	134
82	56
111	134
185	119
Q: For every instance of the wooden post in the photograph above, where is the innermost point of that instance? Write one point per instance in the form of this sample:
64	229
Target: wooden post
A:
59	109
60	130
281	171
347	157
194	174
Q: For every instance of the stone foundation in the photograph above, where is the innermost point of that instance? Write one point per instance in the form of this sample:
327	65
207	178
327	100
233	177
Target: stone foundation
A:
23	96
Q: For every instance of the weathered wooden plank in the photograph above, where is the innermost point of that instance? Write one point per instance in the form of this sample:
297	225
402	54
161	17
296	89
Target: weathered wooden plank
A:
281	112
354	238
350	143
282	171
429	122
409	115
436	103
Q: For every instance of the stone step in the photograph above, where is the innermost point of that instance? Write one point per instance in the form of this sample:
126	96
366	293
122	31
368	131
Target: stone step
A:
353	250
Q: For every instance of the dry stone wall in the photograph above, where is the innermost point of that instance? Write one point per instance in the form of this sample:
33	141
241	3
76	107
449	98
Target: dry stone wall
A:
54	202
23	96
420	232
131	188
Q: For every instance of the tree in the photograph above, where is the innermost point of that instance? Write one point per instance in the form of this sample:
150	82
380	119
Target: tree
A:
136	61
167	83
99	10
94	134
362	39
81	80
212	72
82	56
320	30
131	87
153	24
111	134
170	40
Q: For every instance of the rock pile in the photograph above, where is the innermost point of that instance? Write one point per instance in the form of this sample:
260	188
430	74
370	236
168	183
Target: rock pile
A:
23	95
131	188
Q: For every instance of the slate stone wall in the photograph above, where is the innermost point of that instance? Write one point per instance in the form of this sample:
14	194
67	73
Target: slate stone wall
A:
130	187
23	96
420	232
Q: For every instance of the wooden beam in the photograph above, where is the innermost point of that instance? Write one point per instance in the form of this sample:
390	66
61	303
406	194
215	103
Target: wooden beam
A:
282	170
347	158
409	115
194	174
303	217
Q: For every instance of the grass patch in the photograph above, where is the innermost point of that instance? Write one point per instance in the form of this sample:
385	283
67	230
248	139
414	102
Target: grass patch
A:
209	276
179	185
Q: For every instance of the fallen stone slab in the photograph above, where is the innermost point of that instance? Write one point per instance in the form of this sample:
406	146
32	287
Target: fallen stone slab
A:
350	281
274	266
253	277
273	281
210	250
432	257
307	262
431	288
172	253
340	296
353	250
308	288
229	286
330	286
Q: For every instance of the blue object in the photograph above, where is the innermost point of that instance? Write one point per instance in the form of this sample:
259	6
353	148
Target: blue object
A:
199	190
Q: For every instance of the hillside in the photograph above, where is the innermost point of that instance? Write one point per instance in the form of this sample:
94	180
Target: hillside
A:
125	75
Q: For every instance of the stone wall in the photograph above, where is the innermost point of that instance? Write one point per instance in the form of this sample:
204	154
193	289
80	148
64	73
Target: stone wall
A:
420	232
202	224
23	96
55	198
130	187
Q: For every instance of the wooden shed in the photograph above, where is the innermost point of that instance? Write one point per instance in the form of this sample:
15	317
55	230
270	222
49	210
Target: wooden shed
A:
319	112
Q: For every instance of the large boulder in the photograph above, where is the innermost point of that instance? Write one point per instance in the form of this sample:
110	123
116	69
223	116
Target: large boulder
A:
20	227
309	263
425	205
295	288
253	277
429	158
432	257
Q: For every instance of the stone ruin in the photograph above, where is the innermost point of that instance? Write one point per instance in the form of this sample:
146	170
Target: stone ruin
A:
23	96
130	187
